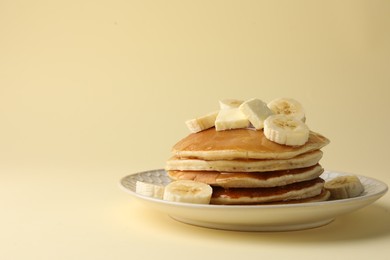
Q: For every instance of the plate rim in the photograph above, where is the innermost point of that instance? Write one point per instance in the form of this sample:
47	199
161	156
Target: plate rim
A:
377	195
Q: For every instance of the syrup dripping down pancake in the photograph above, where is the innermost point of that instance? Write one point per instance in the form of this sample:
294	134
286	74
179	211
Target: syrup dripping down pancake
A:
295	191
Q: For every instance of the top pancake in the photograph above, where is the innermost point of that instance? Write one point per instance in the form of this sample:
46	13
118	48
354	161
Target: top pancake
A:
241	144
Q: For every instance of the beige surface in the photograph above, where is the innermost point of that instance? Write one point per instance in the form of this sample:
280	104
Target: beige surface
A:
93	90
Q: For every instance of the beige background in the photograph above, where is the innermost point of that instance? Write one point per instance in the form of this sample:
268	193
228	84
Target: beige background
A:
93	90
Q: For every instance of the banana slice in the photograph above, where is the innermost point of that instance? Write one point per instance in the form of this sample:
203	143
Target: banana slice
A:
288	106
230	118
149	189
188	191
344	187
203	122
229	103
286	130
256	111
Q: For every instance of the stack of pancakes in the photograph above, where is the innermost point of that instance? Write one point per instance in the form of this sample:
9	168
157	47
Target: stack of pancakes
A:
244	167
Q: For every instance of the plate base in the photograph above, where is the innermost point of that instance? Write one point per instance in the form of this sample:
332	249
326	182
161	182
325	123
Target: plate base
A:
254	228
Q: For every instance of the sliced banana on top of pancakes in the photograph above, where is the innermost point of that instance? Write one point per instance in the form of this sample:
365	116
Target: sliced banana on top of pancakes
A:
287	130
287	127
288	107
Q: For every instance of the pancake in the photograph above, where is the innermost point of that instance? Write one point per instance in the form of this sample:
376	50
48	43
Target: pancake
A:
295	191
240	144
242	165
251	179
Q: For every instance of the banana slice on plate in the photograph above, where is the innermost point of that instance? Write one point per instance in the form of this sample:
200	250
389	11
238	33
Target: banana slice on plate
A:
288	106
149	189
344	187
188	191
286	130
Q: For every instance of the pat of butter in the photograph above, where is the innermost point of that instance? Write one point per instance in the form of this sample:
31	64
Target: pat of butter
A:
231	118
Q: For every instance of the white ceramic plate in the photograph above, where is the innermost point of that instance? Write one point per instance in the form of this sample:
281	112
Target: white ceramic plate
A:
256	217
